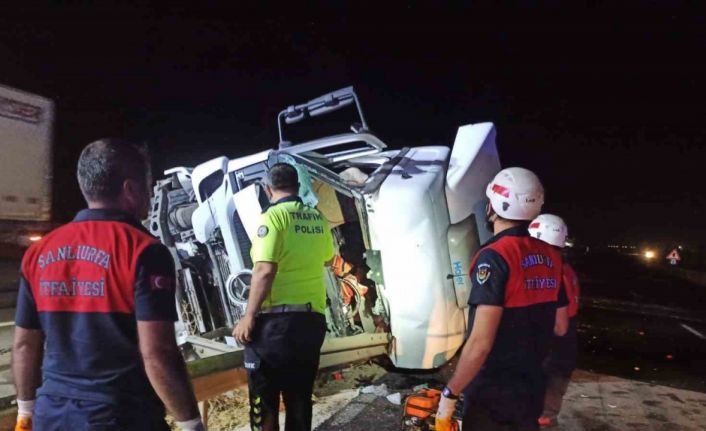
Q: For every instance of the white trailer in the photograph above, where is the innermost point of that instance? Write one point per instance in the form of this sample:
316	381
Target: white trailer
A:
26	123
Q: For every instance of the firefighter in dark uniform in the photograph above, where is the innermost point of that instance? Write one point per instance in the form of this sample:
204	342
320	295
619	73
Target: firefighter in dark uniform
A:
561	361
96	310
516	305
284	325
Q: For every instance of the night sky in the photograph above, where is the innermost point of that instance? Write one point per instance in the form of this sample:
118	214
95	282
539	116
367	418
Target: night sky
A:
607	106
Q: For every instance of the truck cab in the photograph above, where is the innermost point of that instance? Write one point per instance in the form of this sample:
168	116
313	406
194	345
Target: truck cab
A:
406	223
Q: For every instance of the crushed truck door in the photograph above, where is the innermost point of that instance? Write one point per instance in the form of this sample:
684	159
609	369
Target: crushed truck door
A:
473	163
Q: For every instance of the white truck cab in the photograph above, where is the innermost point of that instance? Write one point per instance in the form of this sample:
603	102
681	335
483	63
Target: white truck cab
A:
406	224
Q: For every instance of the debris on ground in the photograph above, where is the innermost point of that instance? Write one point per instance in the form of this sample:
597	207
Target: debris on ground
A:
592	402
226	412
378	391
231	411
353	377
395	398
323	409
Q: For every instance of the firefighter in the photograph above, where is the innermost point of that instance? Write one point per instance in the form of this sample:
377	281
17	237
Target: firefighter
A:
516	304
96	309
561	361
284	325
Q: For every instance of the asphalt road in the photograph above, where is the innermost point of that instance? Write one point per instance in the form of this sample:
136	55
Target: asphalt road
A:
654	328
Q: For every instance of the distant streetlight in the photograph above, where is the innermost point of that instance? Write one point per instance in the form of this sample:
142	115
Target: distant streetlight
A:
649	254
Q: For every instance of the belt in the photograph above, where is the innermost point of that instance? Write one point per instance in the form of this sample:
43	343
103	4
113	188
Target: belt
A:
286	308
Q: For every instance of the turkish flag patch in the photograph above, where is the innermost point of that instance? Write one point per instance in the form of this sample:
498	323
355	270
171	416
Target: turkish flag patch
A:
161	282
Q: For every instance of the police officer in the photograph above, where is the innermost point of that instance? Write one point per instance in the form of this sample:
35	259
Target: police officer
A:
561	361
284	325
515	303
96	308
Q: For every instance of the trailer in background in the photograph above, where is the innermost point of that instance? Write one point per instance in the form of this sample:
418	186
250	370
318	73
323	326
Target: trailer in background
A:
26	126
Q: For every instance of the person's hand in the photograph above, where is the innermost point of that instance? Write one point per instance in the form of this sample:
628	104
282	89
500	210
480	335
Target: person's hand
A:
444	415
243	329
24	415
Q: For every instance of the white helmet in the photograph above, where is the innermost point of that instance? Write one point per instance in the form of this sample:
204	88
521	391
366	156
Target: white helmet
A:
550	229
516	194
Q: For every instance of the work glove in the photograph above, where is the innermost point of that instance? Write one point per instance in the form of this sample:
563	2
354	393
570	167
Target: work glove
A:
194	424
444	415
24	415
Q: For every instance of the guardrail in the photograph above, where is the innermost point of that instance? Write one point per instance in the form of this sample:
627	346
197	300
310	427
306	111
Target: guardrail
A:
219	368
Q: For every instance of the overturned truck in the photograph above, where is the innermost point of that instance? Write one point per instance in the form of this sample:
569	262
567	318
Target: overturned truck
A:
406	223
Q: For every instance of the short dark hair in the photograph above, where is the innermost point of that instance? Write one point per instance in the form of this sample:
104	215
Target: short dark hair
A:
283	177
105	164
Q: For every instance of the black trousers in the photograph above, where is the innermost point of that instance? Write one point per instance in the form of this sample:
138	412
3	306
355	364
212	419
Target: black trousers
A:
505	399
283	359
477	418
558	367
